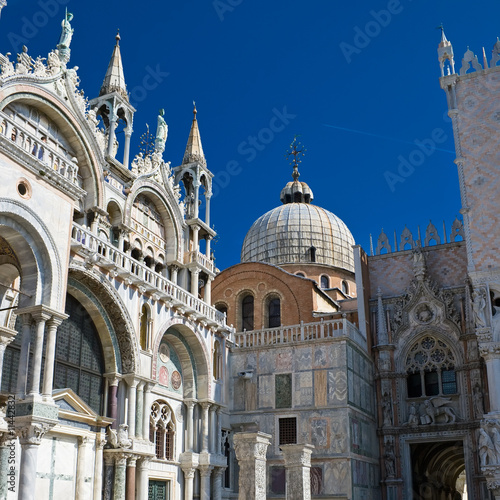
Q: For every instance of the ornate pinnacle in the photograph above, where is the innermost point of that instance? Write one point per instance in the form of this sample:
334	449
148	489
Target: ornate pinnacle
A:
297	151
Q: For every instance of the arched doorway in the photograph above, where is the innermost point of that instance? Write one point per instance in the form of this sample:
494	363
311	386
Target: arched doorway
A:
438	470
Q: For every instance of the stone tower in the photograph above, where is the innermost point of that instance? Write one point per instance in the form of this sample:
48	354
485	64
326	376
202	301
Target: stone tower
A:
472	96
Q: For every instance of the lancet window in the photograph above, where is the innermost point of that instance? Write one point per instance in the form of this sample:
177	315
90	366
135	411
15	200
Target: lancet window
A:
162	430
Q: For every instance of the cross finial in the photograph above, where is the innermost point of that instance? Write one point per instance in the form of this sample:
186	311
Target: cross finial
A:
297	151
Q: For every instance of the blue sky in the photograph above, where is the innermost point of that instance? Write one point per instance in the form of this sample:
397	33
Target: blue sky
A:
358	81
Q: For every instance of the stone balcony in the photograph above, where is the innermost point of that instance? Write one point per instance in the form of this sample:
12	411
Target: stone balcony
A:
39	157
201	260
339	329
104	255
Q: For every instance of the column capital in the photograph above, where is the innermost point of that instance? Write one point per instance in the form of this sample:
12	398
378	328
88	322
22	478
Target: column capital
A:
32	433
190	402
188	472
121	459
100	441
205	405
205	470
6	335
83	440
297	455
132	461
144	463
113	378
41	311
131	380
249	446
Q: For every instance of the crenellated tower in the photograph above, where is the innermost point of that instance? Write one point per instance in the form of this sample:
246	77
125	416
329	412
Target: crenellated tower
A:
472	96
197	182
113	105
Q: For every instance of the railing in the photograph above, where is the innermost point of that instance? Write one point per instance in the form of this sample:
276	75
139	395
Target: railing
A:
40	150
142	229
127	267
201	259
304	332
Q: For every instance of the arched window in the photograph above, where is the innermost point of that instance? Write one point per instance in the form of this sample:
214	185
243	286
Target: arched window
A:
324	281
300	274
79	360
345	287
217	361
162	430
247	313
274	313
430	368
221	308
145	327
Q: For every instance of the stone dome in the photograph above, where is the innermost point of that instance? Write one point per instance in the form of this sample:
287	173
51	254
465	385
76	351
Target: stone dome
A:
299	233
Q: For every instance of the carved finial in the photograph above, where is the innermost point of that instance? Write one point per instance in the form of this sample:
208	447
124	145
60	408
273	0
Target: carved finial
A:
118	37
194	109
296	151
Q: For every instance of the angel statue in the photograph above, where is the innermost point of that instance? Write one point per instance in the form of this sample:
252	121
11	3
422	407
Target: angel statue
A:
67	31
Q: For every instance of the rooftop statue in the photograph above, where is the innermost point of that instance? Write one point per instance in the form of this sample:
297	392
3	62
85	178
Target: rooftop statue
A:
161	133
67	32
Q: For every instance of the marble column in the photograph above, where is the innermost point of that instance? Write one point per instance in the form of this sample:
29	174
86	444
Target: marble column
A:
219	432
174	270
208	195
143	479
30	439
130	491
204	427
113	402
188	483
98	465
109	476
22	373
213	426
251	449
50	351
217	490
119	484
40	319
205	473
195	273
132	392
139	417
82	488
189	425
298	470
146	411
126	149
111	134
207	291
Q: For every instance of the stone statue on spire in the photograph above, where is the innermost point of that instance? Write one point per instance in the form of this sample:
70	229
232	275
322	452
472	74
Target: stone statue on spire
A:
161	133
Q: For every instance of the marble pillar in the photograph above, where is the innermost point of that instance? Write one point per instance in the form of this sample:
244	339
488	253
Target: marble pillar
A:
132	393
217	490
251	449
205	474
130	489
113	402
195	273
218	439
40	319
213	427
298	470
188	483
50	351
139	417
82	488
22	372
146	411
143	479
189	425
98	466
120	475
204	427
30	439
109	475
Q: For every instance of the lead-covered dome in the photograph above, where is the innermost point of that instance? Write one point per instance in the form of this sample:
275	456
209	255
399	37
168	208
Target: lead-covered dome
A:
299	233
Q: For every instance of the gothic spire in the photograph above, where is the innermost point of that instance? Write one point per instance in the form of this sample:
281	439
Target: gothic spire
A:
114	81
194	149
445	54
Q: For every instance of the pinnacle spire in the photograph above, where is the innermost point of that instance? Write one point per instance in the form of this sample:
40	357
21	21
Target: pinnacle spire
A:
114	81
194	149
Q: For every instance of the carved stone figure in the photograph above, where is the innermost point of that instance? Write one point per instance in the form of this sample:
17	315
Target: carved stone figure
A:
413	415
434	408
390	459
24	62
477	401
418	262
487	453
387	410
478	306
7	66
39	69
118	439
67	32
495	323
53	63
161	133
